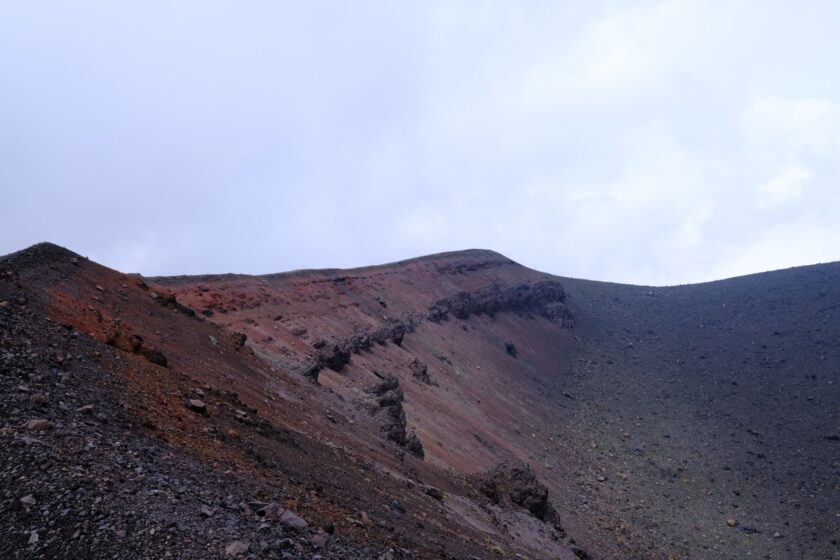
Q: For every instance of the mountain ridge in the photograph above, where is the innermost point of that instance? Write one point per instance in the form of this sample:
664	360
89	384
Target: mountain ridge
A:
489	254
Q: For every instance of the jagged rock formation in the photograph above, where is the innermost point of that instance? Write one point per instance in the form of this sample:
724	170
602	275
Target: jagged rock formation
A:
536	297
394	331
239	340
134	343
558	312
420	371
390	401
517	485
334	356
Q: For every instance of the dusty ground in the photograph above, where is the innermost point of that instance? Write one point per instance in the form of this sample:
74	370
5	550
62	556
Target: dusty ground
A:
689	422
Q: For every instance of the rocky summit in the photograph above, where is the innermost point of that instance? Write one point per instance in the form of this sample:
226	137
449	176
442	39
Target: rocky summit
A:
455	406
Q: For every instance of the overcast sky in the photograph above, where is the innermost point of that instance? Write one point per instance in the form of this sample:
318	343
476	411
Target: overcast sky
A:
656	142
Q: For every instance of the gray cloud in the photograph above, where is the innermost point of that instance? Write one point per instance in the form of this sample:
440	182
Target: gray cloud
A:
654	142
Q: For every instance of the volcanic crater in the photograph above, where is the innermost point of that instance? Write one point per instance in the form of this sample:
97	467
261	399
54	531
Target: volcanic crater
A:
457	406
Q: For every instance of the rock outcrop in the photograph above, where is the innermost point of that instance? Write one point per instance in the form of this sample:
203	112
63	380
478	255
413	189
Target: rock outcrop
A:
390	399
393	331
558	312
421	372
516	485
334	356
134	343
522	297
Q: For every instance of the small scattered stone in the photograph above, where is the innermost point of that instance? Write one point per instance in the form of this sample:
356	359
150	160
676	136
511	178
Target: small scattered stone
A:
434	492
236	548
213	340
318	540
28	501
397	506
602	478
33	537
292	520
197	405
37	424
731	522
86	409
39	399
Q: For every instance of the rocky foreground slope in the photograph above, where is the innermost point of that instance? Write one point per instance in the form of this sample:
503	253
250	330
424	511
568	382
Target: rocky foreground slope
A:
452	406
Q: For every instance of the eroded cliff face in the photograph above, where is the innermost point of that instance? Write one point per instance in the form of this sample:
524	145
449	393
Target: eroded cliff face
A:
334	391
443	326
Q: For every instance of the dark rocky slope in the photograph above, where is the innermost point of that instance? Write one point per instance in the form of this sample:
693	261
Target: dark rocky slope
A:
713	405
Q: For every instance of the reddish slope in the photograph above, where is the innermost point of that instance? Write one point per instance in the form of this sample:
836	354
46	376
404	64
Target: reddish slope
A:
163	355
285	315
482	406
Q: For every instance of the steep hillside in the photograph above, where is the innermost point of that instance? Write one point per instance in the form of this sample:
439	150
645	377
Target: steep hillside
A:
452	406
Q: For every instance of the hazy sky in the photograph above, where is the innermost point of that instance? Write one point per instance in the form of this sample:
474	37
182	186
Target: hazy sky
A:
650	142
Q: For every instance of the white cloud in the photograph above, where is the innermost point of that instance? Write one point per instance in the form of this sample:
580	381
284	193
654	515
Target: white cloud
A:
786	185
632	48
628	141
805	240
808	123
426	225
690	233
